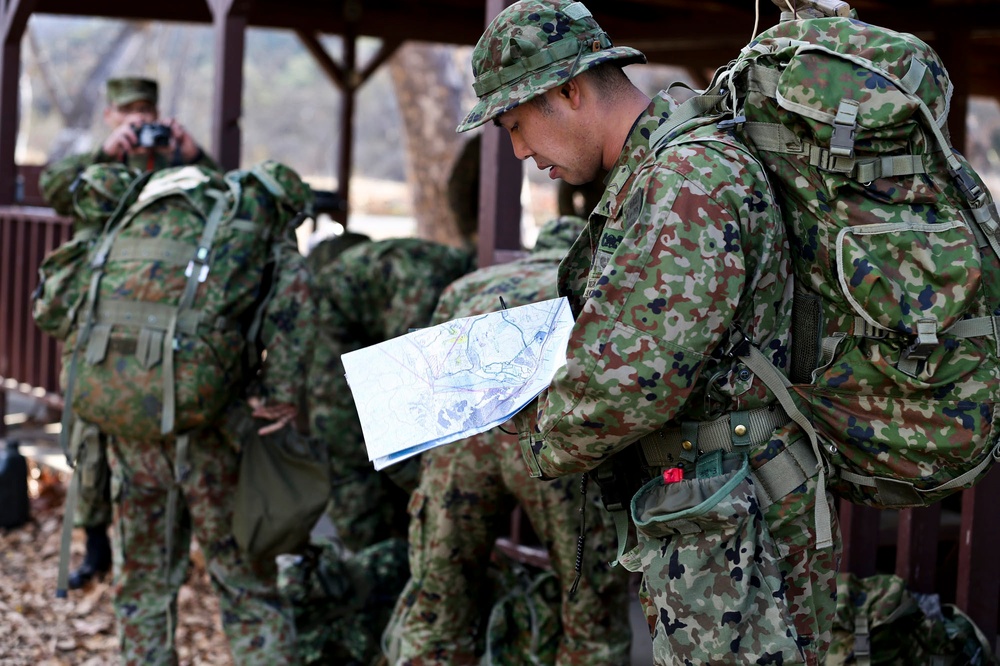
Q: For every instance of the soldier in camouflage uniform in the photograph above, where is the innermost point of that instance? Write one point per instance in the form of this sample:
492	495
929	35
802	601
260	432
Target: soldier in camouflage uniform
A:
684	255
468	487
371	292
131	102
148	572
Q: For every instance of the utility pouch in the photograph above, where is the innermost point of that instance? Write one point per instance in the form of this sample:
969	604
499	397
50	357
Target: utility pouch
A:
708	559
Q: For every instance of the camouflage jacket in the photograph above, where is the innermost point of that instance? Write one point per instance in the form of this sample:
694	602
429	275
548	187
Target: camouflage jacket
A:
372	292
288	330
56	179
520	282
685	244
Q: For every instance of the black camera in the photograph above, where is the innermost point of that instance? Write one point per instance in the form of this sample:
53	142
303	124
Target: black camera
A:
153	135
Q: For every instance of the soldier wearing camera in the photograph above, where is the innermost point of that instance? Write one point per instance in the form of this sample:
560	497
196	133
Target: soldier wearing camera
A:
141	140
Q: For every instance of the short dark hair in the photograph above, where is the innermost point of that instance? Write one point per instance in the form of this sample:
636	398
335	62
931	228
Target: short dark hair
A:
608	78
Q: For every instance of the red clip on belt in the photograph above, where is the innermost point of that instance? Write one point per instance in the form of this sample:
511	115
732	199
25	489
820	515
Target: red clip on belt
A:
673	475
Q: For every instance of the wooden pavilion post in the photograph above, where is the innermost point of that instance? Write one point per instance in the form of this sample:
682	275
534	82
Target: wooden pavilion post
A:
229	18
13	20
499	186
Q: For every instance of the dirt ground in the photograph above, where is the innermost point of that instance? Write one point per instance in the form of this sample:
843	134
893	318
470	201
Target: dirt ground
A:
37	629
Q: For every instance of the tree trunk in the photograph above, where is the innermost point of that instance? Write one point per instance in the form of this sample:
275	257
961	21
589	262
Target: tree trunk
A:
428	89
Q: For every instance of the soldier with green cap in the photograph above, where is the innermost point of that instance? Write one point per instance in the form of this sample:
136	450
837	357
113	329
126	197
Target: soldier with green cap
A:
131	105
684	258
137	138
466	490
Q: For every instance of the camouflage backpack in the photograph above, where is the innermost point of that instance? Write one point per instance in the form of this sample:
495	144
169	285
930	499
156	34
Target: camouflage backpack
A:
895	374
177	283
63	274
881	623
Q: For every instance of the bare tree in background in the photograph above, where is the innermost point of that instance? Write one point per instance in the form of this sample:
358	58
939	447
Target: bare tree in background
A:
78	107
429	92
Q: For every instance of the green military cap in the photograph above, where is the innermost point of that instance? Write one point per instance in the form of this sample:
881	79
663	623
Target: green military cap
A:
533	46
128	89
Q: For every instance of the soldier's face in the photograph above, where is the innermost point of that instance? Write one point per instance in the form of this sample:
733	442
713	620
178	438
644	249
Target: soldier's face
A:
548	130
134	113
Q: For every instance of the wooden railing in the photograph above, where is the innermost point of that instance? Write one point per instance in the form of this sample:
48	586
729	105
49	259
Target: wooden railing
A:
27	356
950	548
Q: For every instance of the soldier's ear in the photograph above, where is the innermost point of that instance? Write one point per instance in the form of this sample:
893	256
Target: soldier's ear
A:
571	91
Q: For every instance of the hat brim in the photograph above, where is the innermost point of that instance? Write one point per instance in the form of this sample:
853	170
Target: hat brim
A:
532	85
128	98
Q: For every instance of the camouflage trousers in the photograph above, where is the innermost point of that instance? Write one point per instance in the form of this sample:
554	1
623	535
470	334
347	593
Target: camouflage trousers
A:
466	492
258	625
725	582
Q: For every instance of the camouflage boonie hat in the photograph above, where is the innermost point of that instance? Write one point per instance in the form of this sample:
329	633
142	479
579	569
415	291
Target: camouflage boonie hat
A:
534	46
559	233
129	89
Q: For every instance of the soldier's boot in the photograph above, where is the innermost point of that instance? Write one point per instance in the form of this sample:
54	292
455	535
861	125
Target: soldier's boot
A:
97	561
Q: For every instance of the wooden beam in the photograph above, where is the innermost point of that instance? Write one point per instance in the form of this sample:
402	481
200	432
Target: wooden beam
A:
230	22
347	128
859	527
13	20
500	176
333	70
917	547
978	591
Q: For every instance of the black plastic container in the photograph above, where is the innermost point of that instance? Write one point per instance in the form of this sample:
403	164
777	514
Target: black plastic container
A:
14	506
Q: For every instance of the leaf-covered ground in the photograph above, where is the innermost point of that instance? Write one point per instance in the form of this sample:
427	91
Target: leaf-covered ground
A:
37	629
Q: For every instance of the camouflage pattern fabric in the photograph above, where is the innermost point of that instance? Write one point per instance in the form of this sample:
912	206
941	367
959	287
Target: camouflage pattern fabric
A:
257	623
881	623
89	448
686	243
121	381
57	180
259	627
370	293
342	601
466	491
555	41
328	249
889	250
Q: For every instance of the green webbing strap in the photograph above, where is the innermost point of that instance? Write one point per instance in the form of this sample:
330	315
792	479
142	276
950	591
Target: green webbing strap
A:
865	171
896	493
779	384
180	464
69	514
693	108
155	316
782	474
169	414
862	640
621	518
197	272
151	249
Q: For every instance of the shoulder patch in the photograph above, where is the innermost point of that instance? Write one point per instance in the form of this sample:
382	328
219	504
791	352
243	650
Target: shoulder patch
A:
632	208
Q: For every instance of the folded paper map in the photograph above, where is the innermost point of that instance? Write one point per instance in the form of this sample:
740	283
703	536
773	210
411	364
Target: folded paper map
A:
443	383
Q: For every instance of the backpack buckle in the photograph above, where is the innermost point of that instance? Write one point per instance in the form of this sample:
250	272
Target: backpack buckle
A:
740	347
925	342
731	122
844	127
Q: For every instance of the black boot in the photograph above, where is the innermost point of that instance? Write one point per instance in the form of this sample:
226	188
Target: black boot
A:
97	561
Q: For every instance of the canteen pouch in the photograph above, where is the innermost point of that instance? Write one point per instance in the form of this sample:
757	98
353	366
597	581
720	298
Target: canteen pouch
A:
710	566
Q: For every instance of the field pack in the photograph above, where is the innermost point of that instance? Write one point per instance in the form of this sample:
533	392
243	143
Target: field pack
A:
896	251
158	319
